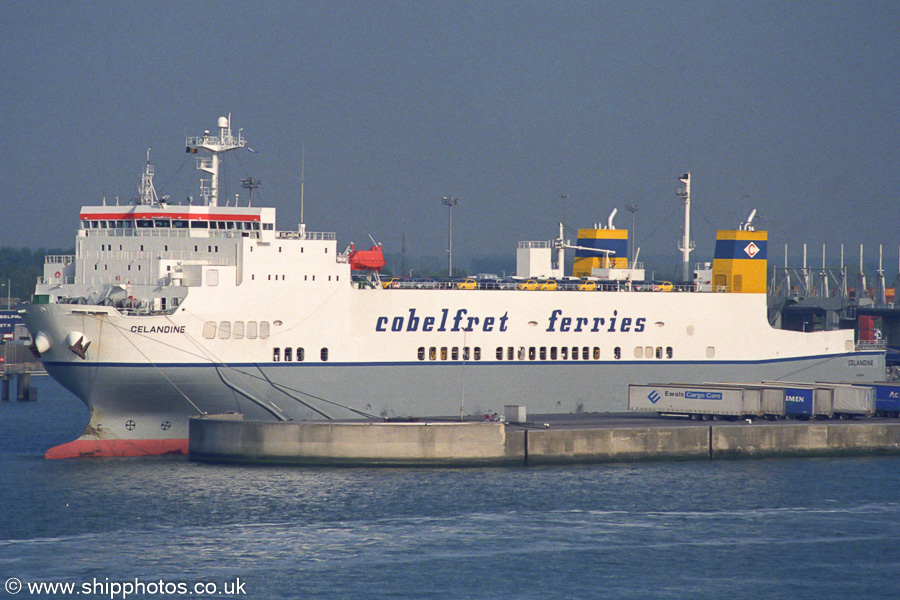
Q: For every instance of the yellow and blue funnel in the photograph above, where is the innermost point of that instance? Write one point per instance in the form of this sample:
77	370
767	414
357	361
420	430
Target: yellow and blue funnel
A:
586	259
739	263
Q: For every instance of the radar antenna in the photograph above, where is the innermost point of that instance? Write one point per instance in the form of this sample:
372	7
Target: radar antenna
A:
250	184
146	191
215	145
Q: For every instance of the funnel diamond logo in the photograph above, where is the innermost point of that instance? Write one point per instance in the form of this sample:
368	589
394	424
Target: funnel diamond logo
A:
751	249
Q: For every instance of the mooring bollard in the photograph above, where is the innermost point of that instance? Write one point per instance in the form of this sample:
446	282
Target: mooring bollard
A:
23	386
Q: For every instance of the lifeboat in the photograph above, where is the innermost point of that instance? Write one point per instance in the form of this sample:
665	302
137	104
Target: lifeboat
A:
367	260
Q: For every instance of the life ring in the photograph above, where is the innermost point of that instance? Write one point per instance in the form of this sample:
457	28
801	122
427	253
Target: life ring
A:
58	274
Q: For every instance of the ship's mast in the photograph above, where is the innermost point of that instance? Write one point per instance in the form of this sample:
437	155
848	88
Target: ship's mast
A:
146	191
302	181
686	245
215	145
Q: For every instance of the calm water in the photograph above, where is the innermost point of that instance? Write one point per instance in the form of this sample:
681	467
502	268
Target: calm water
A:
823	528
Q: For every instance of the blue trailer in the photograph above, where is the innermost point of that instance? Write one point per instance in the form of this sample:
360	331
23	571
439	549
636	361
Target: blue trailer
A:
887	398
798	402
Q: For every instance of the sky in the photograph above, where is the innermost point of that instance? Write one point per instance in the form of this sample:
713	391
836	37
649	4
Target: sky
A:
529	113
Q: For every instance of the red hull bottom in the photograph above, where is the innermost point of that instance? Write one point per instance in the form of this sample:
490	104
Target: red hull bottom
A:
104	448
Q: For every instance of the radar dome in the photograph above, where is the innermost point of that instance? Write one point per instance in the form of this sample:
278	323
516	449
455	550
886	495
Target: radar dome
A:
223	122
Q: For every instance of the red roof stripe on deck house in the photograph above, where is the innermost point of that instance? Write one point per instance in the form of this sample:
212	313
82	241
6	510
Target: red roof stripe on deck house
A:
153	215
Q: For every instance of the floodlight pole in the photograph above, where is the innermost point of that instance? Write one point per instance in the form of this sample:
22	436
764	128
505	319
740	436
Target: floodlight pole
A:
632	208
449	202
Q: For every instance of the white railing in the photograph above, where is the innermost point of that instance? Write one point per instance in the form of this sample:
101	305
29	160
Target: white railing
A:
169	232
59	259
870	345
306	235
544	244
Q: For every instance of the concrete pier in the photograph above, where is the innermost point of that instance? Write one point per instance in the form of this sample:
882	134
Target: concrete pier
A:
228	438
24	391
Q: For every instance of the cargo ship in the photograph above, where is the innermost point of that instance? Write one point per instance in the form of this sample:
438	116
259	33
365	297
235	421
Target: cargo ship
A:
168	311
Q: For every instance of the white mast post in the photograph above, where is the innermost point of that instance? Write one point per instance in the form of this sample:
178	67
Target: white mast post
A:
215	146
686	245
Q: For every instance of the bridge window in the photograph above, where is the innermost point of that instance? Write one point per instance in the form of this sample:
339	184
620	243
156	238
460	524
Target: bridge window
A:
288	355
276	354
237	330
224	330
209	330
301	355
324	354
617	353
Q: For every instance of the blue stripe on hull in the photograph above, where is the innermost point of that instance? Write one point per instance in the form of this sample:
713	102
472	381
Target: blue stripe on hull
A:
444	363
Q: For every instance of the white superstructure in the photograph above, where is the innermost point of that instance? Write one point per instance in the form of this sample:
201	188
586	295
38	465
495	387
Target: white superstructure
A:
168	311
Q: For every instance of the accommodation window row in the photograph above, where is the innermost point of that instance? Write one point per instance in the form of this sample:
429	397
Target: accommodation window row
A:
547	353
289	354
236	330
651	352
282	277
553	352
450	353
177	224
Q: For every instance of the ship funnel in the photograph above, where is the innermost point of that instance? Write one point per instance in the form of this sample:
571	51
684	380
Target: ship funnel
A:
609	220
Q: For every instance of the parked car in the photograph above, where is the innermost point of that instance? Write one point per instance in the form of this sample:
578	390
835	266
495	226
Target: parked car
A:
423	283
548	285
665	286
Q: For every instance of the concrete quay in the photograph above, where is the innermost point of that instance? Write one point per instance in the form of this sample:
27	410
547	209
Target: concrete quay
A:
230	439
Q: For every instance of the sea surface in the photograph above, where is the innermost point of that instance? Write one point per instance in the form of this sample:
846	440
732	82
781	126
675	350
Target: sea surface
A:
167	528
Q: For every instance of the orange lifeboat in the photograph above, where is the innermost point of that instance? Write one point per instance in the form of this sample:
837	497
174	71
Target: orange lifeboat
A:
367	260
